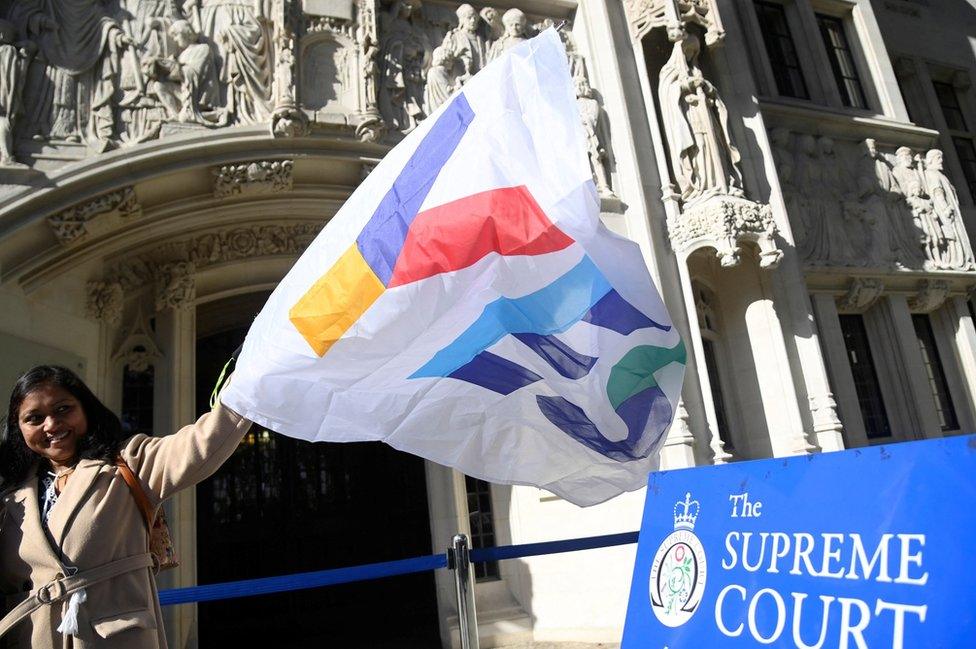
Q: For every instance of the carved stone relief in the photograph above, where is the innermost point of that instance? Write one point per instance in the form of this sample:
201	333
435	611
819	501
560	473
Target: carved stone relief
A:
73	224
723	223
105	300
247	178
932	293
176	287
852	204
673	15
861	295
138	350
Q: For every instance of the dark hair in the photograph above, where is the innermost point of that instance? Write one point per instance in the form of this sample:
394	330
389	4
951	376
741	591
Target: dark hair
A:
102	441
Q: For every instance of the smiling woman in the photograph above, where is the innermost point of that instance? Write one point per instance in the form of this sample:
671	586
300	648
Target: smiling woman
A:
74	559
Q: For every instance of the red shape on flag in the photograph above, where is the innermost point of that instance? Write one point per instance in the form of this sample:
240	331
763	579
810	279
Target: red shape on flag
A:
457	234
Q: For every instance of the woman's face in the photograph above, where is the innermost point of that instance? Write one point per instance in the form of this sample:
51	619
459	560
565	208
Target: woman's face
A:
52	421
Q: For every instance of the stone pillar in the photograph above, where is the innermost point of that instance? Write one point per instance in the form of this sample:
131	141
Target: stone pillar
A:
679	447
721	456
914	401
835	350
176	323
964	339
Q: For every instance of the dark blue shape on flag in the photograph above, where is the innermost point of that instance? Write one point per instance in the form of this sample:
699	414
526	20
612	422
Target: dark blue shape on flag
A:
560	356
617	314
495	373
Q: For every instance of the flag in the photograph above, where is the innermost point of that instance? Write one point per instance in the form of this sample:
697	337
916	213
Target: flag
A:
466	304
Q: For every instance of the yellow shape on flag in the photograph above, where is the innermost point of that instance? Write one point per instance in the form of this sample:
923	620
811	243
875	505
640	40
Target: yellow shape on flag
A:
336	301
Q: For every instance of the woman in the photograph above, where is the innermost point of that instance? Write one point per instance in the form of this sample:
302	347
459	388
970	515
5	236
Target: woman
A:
66	510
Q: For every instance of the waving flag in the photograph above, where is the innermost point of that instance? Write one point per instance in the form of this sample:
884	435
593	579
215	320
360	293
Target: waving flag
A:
466	304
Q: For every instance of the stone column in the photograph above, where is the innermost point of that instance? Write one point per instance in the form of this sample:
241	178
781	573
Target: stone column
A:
914	400
828	324
964	338
176	323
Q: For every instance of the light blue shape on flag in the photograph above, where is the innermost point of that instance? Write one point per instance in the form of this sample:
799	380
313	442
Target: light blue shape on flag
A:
552	309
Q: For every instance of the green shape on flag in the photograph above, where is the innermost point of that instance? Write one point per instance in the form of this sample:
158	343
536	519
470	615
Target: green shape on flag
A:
635	371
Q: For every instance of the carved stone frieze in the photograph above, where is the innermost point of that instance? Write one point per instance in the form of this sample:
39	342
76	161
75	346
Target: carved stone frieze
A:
176	286
674	15
853	204
861	295
104	301
932	294
74	223
207	249
138	350
249	178
723	223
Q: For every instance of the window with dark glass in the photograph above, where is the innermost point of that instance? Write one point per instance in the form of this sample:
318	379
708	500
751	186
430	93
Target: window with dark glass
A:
865	377
967	158
949	103
711	365
934	372
137	400
482	522
781	50
842	61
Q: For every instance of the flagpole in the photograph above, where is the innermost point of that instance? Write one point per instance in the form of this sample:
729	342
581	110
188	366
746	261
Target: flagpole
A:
464	588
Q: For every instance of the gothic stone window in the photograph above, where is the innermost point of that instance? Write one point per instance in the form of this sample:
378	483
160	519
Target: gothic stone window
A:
137	400
482	522
781	50
842	62
865	377
934	372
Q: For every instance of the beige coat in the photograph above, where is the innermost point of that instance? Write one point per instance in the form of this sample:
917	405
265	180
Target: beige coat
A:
96	520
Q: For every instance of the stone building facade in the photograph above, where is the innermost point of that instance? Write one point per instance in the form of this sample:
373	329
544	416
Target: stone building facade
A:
800	175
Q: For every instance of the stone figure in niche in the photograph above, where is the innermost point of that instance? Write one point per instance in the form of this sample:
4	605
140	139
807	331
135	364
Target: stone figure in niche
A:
840	223
242	35
597	134
14	59
872	237
951	250
514	22
899	231
404	56
75	77
466	43
440	81
809	177
494	27
910	188
704	160
187	84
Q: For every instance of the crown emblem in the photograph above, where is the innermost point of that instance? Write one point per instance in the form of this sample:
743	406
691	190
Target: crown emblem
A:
686	513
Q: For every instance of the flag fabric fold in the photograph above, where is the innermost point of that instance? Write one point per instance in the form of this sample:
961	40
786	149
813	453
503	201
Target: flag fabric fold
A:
467	305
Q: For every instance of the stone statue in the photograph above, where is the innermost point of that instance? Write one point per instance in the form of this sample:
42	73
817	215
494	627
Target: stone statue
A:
494	27
187	84
809	177
952	250
704	160
14	59
404	56
842	229
514	22
466	44
911	190
597	136
242	35
440	82
873	236
81	50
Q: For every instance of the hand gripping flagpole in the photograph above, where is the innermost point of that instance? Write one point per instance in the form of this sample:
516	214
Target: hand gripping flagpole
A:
460	563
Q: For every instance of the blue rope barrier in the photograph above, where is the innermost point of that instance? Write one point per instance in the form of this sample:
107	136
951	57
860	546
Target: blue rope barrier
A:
335	576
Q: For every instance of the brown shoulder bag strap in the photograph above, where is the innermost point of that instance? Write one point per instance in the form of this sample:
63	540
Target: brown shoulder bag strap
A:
142	502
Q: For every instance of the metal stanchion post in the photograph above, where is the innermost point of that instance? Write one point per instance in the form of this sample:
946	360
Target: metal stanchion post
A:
460	562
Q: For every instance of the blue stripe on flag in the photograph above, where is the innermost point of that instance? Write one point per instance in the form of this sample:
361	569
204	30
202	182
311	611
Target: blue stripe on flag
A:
560	356
382	239
495	373
614	312
549	310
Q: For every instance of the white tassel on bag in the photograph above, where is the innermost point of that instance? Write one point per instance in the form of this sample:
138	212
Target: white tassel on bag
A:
69	621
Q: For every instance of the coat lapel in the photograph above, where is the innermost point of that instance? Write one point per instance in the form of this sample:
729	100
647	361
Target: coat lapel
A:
32	529
74	495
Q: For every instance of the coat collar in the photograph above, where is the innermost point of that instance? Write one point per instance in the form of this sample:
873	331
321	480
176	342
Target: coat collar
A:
75	493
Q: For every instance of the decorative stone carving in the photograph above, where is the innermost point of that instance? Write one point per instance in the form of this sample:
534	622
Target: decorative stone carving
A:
287	120
105	300
723	223
14	59
248	178
514	22
466	43
138	350
72	224
932	293
217	247
597	134
851	204
440	81
176	286
704	160
404	57
673	15
861	295
185	84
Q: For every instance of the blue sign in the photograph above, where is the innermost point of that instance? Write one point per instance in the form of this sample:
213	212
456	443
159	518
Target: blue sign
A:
862	549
